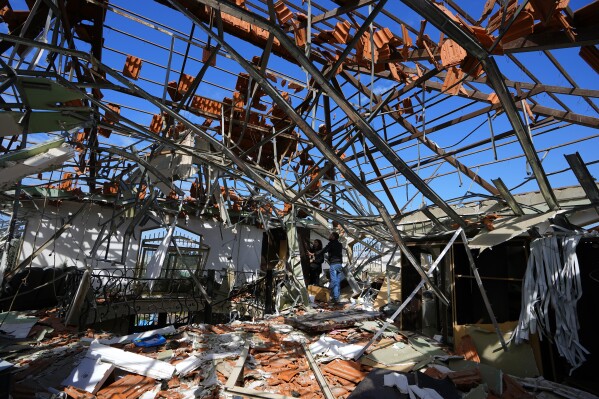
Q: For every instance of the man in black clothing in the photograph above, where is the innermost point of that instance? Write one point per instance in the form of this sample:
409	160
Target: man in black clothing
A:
315	262
334	249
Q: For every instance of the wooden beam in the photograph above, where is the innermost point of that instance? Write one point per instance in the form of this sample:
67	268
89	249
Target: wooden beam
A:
318	374
238	369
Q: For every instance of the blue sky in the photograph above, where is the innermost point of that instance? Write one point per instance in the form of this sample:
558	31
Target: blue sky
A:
448	184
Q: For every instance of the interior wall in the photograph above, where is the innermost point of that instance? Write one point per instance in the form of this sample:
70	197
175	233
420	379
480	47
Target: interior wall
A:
237	248
501	269
74	245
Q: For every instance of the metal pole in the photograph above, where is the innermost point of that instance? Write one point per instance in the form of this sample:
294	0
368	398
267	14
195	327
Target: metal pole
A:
482	291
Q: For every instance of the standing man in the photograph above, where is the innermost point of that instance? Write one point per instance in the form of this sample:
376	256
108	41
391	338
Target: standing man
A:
334	249
315	262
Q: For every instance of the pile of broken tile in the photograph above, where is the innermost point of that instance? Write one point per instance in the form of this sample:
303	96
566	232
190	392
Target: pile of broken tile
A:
268	358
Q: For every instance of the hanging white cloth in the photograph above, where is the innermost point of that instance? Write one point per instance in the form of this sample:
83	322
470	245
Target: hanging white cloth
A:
154	267
552	279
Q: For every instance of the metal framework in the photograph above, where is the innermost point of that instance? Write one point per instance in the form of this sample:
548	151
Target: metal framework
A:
249	111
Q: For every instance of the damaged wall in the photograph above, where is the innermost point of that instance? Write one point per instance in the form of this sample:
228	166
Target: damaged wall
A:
238	248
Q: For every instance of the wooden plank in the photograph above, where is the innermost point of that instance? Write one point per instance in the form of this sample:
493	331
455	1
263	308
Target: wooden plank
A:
242	391
318	374
234	376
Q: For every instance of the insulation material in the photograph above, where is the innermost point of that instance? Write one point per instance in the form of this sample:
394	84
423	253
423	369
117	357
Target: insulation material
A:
132	362
332	348
154	266
552	279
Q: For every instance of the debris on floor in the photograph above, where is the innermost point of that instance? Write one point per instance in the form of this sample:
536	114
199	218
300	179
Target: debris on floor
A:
267	358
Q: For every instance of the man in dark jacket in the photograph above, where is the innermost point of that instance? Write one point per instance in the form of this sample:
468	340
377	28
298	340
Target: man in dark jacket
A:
334	249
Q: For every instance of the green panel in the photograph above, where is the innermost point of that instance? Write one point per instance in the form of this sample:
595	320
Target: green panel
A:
42	93
43	122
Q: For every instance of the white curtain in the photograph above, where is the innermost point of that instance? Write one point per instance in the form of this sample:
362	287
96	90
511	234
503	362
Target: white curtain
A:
154	266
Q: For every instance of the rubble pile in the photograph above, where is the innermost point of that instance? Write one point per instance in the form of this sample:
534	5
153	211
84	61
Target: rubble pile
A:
267	358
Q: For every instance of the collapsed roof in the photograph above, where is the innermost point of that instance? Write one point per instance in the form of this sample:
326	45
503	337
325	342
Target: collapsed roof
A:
356	112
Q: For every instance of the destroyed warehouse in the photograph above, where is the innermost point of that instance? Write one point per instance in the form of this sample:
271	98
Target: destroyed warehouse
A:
281	198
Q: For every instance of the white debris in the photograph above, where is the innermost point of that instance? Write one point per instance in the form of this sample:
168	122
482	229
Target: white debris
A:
331	348
401	382
188	365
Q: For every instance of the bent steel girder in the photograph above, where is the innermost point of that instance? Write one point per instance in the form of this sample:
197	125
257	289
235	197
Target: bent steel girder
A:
318	142
329	90
148	134
427	142
241	164
446	25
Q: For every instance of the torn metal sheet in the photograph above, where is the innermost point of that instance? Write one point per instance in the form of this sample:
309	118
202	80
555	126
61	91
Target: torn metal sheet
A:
295	259
552	280
17	324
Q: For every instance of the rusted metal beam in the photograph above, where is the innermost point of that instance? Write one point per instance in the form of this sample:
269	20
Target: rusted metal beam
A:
584	177
327	88
508	197
565	116
588	36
